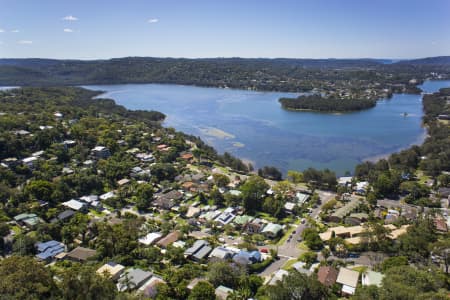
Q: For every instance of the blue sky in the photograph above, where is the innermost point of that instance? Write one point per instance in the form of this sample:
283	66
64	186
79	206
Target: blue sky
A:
93	29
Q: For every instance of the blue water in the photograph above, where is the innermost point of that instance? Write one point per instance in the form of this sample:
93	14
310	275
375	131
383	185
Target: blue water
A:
260	131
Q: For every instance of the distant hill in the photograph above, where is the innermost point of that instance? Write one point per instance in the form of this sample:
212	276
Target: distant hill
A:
438	60
278	74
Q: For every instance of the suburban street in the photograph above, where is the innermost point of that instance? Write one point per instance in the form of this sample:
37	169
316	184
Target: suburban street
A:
290	249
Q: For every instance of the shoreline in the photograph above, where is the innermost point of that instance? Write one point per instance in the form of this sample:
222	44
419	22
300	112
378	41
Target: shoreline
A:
376	158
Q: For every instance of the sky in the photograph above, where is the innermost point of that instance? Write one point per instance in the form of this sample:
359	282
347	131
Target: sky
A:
98	29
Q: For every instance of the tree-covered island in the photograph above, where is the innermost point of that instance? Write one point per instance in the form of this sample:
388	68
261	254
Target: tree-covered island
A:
322	104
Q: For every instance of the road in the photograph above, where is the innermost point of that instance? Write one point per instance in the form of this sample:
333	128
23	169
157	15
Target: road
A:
290	247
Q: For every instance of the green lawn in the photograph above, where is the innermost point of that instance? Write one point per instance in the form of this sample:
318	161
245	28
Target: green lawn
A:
286	235
289	263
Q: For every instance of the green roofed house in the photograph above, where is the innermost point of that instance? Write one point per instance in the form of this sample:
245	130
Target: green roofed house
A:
242	220
272	230
29	220
222	292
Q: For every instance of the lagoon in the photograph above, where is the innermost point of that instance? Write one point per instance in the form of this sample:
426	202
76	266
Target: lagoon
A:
252	125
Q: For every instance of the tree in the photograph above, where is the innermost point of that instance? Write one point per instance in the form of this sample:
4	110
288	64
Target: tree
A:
81	282
223	273
405	282
221	180
253	191
203	291
308	257
312	239
393	262
294	176
270	173
25	278
297	286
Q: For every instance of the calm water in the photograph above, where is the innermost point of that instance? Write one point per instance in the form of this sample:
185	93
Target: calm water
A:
252	125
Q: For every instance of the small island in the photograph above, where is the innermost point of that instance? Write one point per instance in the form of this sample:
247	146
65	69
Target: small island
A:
331	104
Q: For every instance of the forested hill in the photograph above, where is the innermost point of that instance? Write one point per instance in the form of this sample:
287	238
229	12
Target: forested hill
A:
438	60
263	74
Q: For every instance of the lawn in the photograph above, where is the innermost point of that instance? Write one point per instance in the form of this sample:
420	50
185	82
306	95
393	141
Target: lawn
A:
286	235
289	263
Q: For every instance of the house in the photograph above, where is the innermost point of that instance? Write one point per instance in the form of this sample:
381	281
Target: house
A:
344	181
272	230
247	258
349	280
289	206
301	198
150	287
255	226
81	254
242	220
361	187
150	238
356	218
199	250
444	192
123	182
101	152
440	225
278	276
327	275
169	239
167	200
221	253
300	267
370	277
132	279
222	292
30	161
29	220
225	218
75	205
111	270
340	213
187	156
193	212
65	215
107	195
46	251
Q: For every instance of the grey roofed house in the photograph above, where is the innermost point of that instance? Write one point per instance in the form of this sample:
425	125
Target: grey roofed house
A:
68	213
132	279
195	247
340	213
81	254
225	218
167	200
202	253
221	253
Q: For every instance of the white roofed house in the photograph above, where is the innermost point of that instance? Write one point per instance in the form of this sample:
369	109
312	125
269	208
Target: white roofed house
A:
150	238
101	152
75	205
349	280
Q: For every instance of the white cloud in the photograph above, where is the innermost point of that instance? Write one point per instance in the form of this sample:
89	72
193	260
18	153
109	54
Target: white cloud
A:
68	30
153	21
2	30
15	31
70	18
25	42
